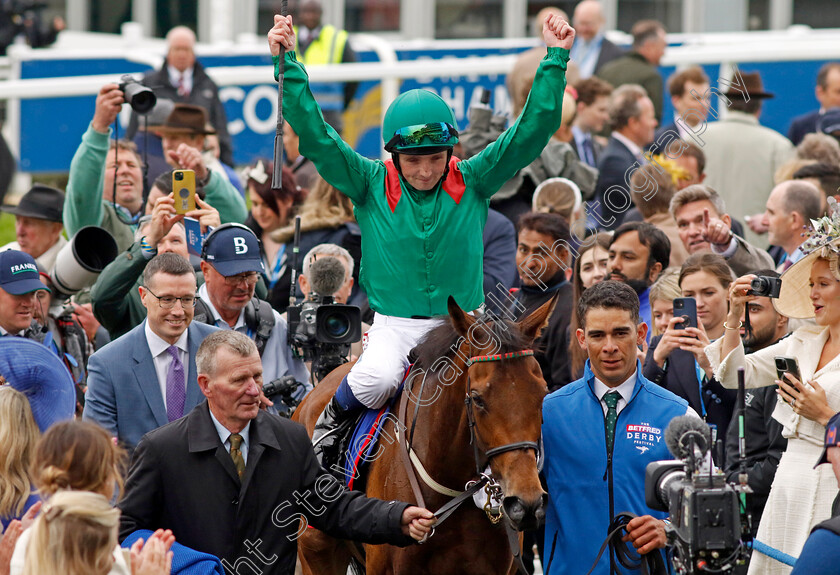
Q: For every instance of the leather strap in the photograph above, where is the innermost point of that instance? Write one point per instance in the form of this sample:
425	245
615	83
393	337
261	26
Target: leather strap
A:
409	468
515	548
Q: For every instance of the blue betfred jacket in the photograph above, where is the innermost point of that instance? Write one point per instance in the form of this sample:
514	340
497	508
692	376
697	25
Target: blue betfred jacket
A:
587	486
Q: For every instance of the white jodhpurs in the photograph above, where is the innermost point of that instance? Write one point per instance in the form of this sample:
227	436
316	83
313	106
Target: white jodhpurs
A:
381	367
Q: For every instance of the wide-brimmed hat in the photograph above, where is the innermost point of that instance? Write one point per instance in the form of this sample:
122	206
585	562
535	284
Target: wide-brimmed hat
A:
41	202
752	84
794	299
34	370
185	119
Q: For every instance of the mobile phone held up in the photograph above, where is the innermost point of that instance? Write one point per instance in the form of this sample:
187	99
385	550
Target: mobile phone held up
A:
787	365
686	308
183	188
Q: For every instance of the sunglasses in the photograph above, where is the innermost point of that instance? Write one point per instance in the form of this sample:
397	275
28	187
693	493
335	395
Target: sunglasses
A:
437	133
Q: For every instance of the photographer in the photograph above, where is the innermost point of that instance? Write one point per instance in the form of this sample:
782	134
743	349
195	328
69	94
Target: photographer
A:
764	444
800	496
308	283
105	187
23	18
676	359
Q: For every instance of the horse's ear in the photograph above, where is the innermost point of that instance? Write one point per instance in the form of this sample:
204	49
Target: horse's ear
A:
532	326
460	321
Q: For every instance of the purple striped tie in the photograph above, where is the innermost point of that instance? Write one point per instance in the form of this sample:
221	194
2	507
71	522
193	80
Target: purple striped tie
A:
176	386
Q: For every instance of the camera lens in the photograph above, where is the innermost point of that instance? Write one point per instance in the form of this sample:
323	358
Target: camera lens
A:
179	175
337	325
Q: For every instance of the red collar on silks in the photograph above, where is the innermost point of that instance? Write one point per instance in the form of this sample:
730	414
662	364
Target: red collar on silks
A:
452	185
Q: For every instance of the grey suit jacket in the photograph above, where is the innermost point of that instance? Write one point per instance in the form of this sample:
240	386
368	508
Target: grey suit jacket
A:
748	258
123	393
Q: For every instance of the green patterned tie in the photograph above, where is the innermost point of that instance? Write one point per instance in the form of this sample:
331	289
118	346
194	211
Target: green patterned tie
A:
236	455
611	399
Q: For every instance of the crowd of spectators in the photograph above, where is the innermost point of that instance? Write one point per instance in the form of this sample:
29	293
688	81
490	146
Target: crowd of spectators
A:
620	212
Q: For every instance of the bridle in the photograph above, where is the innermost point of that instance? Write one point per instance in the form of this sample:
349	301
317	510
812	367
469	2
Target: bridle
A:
414	466
469	402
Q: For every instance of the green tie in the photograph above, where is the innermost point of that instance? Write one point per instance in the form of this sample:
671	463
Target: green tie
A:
611	399
236	455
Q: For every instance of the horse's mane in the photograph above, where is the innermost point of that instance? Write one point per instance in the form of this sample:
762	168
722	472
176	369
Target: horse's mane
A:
440	341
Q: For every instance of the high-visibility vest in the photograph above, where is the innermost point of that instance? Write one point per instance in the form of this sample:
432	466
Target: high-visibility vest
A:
327	48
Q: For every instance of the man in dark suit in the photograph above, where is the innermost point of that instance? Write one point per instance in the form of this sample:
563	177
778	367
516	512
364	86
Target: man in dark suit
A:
593	111
182	79
633	124
827	93
241	484
640	64
147	377
591	50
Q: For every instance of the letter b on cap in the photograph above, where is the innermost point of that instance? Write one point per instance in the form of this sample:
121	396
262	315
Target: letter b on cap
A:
239	245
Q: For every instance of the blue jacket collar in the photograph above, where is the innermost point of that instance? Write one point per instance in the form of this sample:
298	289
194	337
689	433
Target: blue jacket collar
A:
589	378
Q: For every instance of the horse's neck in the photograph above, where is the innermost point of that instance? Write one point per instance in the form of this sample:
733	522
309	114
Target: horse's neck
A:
442	436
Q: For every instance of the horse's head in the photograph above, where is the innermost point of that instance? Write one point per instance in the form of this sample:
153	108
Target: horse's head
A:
505	392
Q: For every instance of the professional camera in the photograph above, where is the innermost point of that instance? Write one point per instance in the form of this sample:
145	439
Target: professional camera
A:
766	286
283	388
319	330
707	525
139	97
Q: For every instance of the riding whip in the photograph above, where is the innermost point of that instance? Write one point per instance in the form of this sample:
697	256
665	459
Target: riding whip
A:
277	171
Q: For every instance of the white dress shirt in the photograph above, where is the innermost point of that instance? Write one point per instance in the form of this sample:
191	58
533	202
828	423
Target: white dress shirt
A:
631	145
162	359
225	433
625	390
176	75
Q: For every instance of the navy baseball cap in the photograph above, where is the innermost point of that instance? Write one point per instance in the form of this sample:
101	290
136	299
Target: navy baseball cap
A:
233	249
832	437
19	273
829	122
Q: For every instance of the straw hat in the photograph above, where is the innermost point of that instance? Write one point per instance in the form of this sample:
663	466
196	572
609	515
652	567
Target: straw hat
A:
794	299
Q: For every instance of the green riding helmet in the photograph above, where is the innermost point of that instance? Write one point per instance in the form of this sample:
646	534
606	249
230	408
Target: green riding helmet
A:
419	122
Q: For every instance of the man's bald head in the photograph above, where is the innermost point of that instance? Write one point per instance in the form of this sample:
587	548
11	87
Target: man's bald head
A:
180	42
588	19
545	13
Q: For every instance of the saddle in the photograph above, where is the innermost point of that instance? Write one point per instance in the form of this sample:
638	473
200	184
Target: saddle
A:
357	444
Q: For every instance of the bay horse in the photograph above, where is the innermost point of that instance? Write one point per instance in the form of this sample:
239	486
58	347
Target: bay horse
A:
467	371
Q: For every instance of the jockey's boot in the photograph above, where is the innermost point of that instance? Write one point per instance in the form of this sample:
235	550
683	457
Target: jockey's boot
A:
332	426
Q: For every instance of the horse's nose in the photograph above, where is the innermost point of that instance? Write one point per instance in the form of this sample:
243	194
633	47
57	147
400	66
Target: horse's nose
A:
515	510
525	515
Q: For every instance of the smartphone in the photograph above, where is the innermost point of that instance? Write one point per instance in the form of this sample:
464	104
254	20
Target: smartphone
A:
686	308
787	365
183	188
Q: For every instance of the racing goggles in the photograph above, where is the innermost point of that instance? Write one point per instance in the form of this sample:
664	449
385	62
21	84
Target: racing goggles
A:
437	134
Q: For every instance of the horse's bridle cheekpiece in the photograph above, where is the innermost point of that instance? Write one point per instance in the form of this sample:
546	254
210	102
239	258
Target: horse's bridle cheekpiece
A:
484	480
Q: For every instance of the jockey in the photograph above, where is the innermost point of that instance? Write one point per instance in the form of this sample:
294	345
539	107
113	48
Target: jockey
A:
422	213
